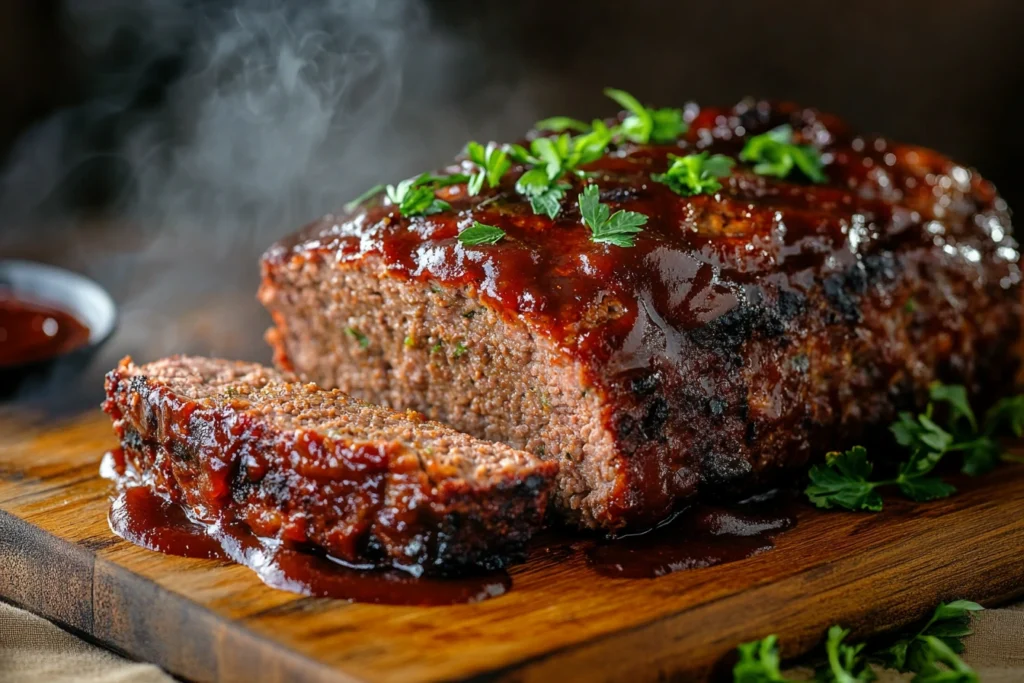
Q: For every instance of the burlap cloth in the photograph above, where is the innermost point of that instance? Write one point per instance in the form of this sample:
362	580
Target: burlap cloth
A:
32	650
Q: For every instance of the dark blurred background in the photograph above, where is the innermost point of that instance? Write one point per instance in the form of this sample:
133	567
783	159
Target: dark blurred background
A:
159	146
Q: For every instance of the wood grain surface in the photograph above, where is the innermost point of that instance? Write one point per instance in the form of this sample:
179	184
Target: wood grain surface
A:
213	621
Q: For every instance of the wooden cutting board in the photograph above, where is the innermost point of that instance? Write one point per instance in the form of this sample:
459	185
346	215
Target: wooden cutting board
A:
212	621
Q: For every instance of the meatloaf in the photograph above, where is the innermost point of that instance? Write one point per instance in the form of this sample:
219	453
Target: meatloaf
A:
314	468
745	332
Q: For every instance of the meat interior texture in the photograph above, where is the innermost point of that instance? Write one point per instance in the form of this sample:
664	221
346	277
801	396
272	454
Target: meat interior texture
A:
238	442
745	334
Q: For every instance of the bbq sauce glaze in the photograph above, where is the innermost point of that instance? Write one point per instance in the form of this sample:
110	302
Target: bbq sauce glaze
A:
33	331
698	537
147	519
746	331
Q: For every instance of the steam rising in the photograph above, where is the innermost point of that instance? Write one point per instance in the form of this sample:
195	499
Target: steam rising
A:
271	114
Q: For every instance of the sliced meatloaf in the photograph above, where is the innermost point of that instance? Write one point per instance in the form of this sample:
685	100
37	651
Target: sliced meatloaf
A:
314	468
747	330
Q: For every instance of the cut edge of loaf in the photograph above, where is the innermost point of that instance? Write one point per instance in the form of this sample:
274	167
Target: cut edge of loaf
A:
408	344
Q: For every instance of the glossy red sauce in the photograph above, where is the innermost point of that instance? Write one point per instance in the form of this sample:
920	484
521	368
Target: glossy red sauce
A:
33	331
145	518
701	536
698	537
698	257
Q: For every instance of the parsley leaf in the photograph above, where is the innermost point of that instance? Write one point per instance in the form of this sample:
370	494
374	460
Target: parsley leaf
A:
695	173
938	642
493	162
1007	412
843	482
955	396
375	190
415	196
619	228
643	125
759	662
479	233
545	197
775	154
558	124
845	663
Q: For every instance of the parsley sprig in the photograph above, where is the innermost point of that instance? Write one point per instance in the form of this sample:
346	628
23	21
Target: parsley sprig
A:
619	228
937	642
695	173
493	162
549	160
775	154
931	653
415	196
844	481
480	233
644	125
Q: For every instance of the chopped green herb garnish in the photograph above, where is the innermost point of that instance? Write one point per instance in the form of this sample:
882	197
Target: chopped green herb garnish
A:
619	228
932	653
545	197
775	154
415	196
844	480
354	204
437	347
232	392
479	233
759	662
558	124
937	642
409	341
644	125
493	162
362	339
844	663
695	173
459	350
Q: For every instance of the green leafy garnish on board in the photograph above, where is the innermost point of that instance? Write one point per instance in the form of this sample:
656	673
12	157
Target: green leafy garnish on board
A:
479	233
931	652
619	228
844	663
644	125
695	173
775	154
759	662
493	162
844	481
937	642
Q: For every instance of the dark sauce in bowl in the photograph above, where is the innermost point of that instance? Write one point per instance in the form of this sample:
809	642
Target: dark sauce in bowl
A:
32	331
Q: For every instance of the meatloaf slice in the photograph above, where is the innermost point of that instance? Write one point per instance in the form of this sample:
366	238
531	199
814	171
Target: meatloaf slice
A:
746	331
316	468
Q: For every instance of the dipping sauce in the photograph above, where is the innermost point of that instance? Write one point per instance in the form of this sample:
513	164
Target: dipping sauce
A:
33	331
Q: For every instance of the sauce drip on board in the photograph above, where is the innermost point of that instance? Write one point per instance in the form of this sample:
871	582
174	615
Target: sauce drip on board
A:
699	536
143	517
32	331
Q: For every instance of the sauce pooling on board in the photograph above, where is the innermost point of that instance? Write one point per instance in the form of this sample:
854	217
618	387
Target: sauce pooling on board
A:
33	331
143	517
699	536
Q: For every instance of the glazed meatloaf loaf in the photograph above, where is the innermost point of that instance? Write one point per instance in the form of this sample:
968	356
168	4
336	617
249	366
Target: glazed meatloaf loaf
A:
239	442
749	325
